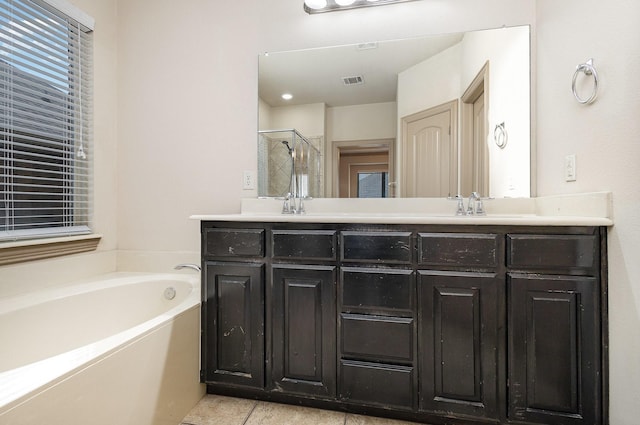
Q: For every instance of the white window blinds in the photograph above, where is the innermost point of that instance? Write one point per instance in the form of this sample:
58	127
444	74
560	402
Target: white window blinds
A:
45	122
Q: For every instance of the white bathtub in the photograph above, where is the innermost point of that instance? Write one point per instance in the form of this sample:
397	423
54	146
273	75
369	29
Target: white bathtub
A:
111	351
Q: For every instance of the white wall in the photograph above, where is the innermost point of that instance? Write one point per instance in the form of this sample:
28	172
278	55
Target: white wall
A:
430	83
445	77
605	137
509	99
176	126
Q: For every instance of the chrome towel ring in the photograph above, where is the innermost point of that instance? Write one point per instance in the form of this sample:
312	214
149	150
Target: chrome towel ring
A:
500	135
588	70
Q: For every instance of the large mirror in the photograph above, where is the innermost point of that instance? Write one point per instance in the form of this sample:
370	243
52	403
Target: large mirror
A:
423	117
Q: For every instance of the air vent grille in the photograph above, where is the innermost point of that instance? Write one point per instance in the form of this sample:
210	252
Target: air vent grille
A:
353	80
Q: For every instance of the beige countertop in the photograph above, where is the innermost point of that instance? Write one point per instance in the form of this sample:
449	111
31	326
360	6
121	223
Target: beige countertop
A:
590	209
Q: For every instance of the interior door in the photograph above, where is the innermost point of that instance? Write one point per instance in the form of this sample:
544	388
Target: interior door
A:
430	152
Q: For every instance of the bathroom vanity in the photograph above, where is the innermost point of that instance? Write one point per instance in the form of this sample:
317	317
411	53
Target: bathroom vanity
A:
423	319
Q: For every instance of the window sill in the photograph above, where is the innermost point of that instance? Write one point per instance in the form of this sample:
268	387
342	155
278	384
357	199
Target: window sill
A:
18	252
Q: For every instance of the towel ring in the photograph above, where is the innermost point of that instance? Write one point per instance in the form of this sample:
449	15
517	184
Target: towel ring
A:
588	69
500	135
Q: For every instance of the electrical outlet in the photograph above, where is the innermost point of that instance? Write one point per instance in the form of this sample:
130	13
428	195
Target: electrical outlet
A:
570	168
248	180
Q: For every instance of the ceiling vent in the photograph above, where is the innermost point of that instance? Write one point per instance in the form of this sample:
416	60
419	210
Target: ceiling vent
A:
367	46
354	80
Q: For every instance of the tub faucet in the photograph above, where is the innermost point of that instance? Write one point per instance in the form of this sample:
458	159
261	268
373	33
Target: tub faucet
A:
188	266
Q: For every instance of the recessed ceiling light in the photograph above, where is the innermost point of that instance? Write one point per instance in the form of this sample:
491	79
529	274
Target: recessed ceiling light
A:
287	96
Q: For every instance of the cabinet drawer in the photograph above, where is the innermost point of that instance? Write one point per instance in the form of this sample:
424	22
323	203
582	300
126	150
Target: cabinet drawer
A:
565	252
304	244
458	249
378	291
380	384
388	247
377	337
225	242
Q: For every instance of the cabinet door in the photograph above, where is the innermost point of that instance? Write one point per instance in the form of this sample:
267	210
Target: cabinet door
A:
304	329
233	324
458	342
554	354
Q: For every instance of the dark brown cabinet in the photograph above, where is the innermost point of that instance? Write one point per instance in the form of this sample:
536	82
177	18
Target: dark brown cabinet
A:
377	333
233	316
458	342
436	324
304	329
554	339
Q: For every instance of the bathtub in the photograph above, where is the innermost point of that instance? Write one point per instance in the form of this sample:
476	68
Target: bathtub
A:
121	349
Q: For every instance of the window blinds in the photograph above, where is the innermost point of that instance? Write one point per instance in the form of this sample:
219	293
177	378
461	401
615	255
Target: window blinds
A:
45	122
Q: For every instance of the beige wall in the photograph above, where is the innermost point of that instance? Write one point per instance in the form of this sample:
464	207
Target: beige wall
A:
605	137
361	122
308	119
177	89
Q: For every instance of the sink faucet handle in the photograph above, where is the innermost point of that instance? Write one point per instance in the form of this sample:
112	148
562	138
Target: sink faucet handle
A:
459	204
286	205
480	207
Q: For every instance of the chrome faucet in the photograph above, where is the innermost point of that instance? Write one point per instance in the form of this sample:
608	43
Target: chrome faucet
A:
475	205
286	205
293	204
459	204
188	266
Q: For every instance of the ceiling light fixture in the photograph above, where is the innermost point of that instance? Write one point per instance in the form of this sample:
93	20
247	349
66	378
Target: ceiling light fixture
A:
320	6
315	4
287	96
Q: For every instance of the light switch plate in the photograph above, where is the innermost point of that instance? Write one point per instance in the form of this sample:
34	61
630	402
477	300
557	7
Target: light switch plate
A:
570	168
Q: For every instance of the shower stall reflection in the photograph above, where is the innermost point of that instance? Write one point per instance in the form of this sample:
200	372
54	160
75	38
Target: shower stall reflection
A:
289	164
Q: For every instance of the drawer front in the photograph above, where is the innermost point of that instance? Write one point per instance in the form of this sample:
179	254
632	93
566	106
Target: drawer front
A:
225	242
378	291
304	244
388	247
458	249
377	337
564	252
378	384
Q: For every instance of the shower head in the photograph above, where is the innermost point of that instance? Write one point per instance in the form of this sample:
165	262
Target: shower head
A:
284	142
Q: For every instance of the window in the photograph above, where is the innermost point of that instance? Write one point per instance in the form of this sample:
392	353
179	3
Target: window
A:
45	120
373	184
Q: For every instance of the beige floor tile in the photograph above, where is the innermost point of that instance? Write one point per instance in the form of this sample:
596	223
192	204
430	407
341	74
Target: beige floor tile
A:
370	420
282	414
220	410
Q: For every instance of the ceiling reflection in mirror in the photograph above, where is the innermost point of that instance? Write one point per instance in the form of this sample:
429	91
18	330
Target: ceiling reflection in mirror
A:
432	114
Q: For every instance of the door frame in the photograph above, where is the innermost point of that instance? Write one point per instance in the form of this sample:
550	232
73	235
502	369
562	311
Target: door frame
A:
470	164
452	107
332	181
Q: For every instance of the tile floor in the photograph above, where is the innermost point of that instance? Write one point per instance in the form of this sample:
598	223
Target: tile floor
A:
221	410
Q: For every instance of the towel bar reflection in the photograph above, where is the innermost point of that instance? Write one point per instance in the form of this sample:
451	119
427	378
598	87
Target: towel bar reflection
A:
589	70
